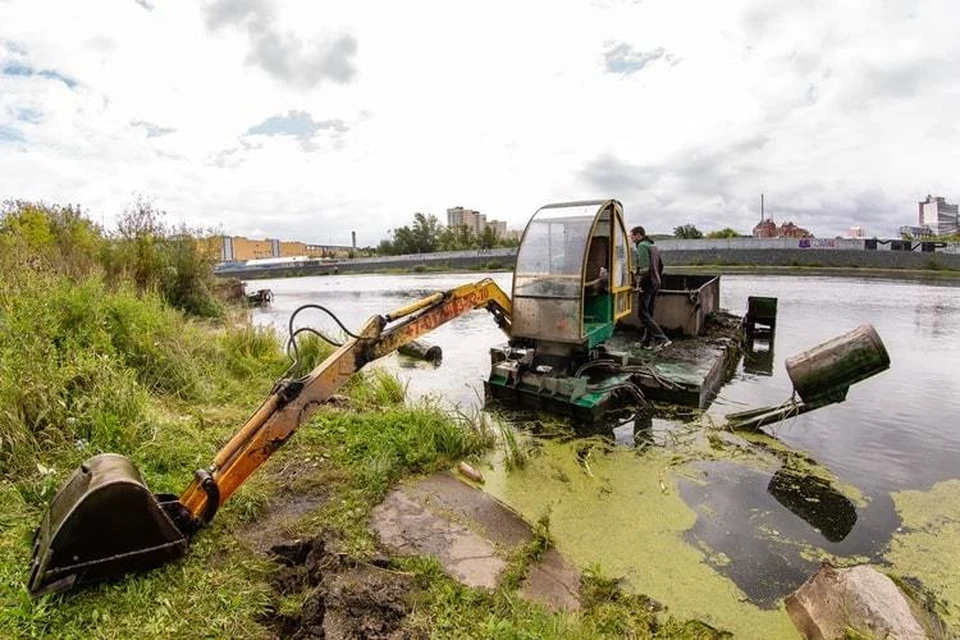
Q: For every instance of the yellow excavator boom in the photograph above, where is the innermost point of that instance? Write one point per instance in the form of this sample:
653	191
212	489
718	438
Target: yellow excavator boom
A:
294	401
104	521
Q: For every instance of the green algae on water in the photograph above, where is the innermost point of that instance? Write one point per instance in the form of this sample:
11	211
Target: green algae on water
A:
927	545
627	518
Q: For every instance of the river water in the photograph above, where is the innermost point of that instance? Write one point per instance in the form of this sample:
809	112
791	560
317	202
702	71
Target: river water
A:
896	431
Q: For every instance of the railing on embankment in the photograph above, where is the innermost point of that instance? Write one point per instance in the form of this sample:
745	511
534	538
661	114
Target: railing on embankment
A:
814	252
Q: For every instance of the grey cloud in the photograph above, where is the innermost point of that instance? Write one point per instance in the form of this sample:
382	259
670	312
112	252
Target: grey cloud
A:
904	78
770	17
609	174
13	48
696	172
719	188
102	44
145	4
623	58
234	156
226	158
870	208
28	115
282	54
222	13
286	57
152	130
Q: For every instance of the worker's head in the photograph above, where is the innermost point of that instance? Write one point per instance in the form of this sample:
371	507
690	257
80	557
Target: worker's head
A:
637	234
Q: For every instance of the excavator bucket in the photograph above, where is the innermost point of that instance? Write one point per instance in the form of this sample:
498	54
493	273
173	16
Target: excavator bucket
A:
102	523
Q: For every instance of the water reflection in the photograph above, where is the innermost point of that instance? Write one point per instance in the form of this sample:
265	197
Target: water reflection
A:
758	355
929	319
741	529
816	501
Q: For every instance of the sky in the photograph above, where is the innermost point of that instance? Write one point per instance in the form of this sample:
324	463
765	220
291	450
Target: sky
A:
308	120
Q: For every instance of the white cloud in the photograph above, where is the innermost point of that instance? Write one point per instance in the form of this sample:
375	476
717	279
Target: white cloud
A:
841	114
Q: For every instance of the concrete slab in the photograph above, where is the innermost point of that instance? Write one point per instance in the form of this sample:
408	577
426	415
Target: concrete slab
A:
465	503
553	582
409	527
471	534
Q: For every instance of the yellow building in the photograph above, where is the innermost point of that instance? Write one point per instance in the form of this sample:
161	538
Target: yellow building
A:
238	248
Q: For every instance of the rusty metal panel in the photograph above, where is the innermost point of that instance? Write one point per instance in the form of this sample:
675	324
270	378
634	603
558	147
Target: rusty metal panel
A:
685	301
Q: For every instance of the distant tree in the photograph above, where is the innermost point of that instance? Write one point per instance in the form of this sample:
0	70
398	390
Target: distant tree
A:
488	240
422	237
427	235
385	248
457	238
687	232
726	232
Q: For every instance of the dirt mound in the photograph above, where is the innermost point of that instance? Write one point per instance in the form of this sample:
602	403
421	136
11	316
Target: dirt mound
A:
344	599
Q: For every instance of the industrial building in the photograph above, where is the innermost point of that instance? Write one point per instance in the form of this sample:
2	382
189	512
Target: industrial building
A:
239	248
938	216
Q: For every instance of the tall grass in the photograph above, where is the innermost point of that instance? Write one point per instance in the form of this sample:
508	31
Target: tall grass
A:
380	445
177	263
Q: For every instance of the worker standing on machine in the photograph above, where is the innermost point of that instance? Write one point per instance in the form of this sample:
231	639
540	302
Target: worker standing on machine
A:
649	269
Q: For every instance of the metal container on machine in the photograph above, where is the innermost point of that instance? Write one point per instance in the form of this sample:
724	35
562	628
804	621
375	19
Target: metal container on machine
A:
684	301
826	371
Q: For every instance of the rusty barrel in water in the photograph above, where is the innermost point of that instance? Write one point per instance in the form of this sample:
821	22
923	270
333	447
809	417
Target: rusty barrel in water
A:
826	371
422	350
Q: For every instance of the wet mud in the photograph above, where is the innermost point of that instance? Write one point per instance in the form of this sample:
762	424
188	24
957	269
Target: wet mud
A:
342	598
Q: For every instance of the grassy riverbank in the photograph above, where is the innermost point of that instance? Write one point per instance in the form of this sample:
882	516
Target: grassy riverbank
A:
116	343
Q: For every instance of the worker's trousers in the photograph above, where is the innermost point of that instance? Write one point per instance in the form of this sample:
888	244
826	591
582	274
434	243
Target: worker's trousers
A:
647	300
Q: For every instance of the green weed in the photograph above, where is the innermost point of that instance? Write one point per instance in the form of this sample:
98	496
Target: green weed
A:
515	456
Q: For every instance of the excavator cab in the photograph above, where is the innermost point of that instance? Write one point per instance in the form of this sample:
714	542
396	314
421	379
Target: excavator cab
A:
572	280
571	287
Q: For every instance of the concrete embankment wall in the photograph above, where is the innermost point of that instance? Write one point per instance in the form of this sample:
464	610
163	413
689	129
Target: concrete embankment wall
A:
814	258
737	251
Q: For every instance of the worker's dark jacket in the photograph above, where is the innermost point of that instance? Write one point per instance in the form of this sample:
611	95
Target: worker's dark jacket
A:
649	264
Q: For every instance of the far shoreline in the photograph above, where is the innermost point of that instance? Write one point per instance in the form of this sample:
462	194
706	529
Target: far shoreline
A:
842	272
939	275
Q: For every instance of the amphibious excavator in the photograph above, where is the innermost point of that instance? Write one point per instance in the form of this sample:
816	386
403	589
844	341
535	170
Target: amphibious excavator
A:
572	294
572	285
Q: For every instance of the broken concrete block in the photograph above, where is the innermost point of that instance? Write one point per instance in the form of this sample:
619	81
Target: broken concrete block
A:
471	534
834	601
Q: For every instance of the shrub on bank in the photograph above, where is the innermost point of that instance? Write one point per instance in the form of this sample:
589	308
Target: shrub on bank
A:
176	263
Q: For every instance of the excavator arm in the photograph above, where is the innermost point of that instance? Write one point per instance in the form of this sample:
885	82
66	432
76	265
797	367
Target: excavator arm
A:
292	402
104	521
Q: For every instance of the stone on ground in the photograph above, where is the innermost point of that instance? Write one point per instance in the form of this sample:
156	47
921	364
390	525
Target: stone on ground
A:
834	601
471	534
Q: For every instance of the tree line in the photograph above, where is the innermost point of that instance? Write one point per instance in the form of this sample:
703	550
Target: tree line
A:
427	235
690	232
